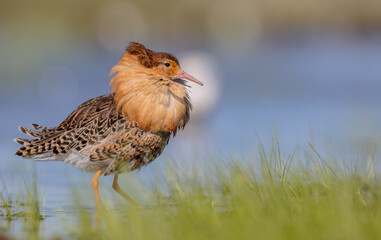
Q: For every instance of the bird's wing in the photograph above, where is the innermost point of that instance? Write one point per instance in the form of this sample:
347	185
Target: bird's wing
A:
91	122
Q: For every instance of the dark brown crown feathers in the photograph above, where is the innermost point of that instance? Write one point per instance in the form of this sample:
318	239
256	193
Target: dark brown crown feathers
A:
148	57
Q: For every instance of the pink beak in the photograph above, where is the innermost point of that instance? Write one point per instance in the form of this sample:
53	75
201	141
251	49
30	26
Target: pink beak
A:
183	75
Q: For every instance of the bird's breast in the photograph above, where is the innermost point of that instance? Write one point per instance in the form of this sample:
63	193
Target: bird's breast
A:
155	108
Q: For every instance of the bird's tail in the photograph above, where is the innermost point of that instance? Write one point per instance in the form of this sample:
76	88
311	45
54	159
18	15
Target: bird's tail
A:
44	141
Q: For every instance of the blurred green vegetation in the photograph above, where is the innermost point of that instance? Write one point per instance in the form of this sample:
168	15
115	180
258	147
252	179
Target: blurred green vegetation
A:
170	19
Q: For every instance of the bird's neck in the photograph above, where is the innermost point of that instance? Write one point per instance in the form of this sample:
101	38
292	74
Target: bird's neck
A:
143	96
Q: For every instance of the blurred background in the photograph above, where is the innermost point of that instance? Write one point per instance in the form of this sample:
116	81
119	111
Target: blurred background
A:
309	68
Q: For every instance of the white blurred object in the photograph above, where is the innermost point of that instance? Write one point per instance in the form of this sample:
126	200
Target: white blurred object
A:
58	85
118	22
196	140
201	66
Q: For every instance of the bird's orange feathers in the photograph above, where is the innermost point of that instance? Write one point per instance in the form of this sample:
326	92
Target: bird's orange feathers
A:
147	96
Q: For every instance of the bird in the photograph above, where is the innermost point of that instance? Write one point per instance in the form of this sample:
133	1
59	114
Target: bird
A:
125	129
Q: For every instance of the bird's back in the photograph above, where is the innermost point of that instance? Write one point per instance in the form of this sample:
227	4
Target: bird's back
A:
94	136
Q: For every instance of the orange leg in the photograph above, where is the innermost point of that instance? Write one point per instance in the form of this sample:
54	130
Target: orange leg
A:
116	187
95	184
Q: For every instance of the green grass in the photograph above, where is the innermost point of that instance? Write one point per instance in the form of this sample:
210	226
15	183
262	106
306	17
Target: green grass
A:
299	196
281	198
22	204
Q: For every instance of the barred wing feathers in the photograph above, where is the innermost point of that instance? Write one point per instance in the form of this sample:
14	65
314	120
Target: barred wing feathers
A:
86	125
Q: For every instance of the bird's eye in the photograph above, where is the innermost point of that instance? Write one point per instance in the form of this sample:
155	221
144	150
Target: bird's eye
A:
167	64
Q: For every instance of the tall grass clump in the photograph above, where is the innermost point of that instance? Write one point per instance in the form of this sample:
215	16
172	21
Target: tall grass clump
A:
21	206
273	198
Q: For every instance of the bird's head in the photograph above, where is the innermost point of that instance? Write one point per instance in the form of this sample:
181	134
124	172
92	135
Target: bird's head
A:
164	65
169	66
150	89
